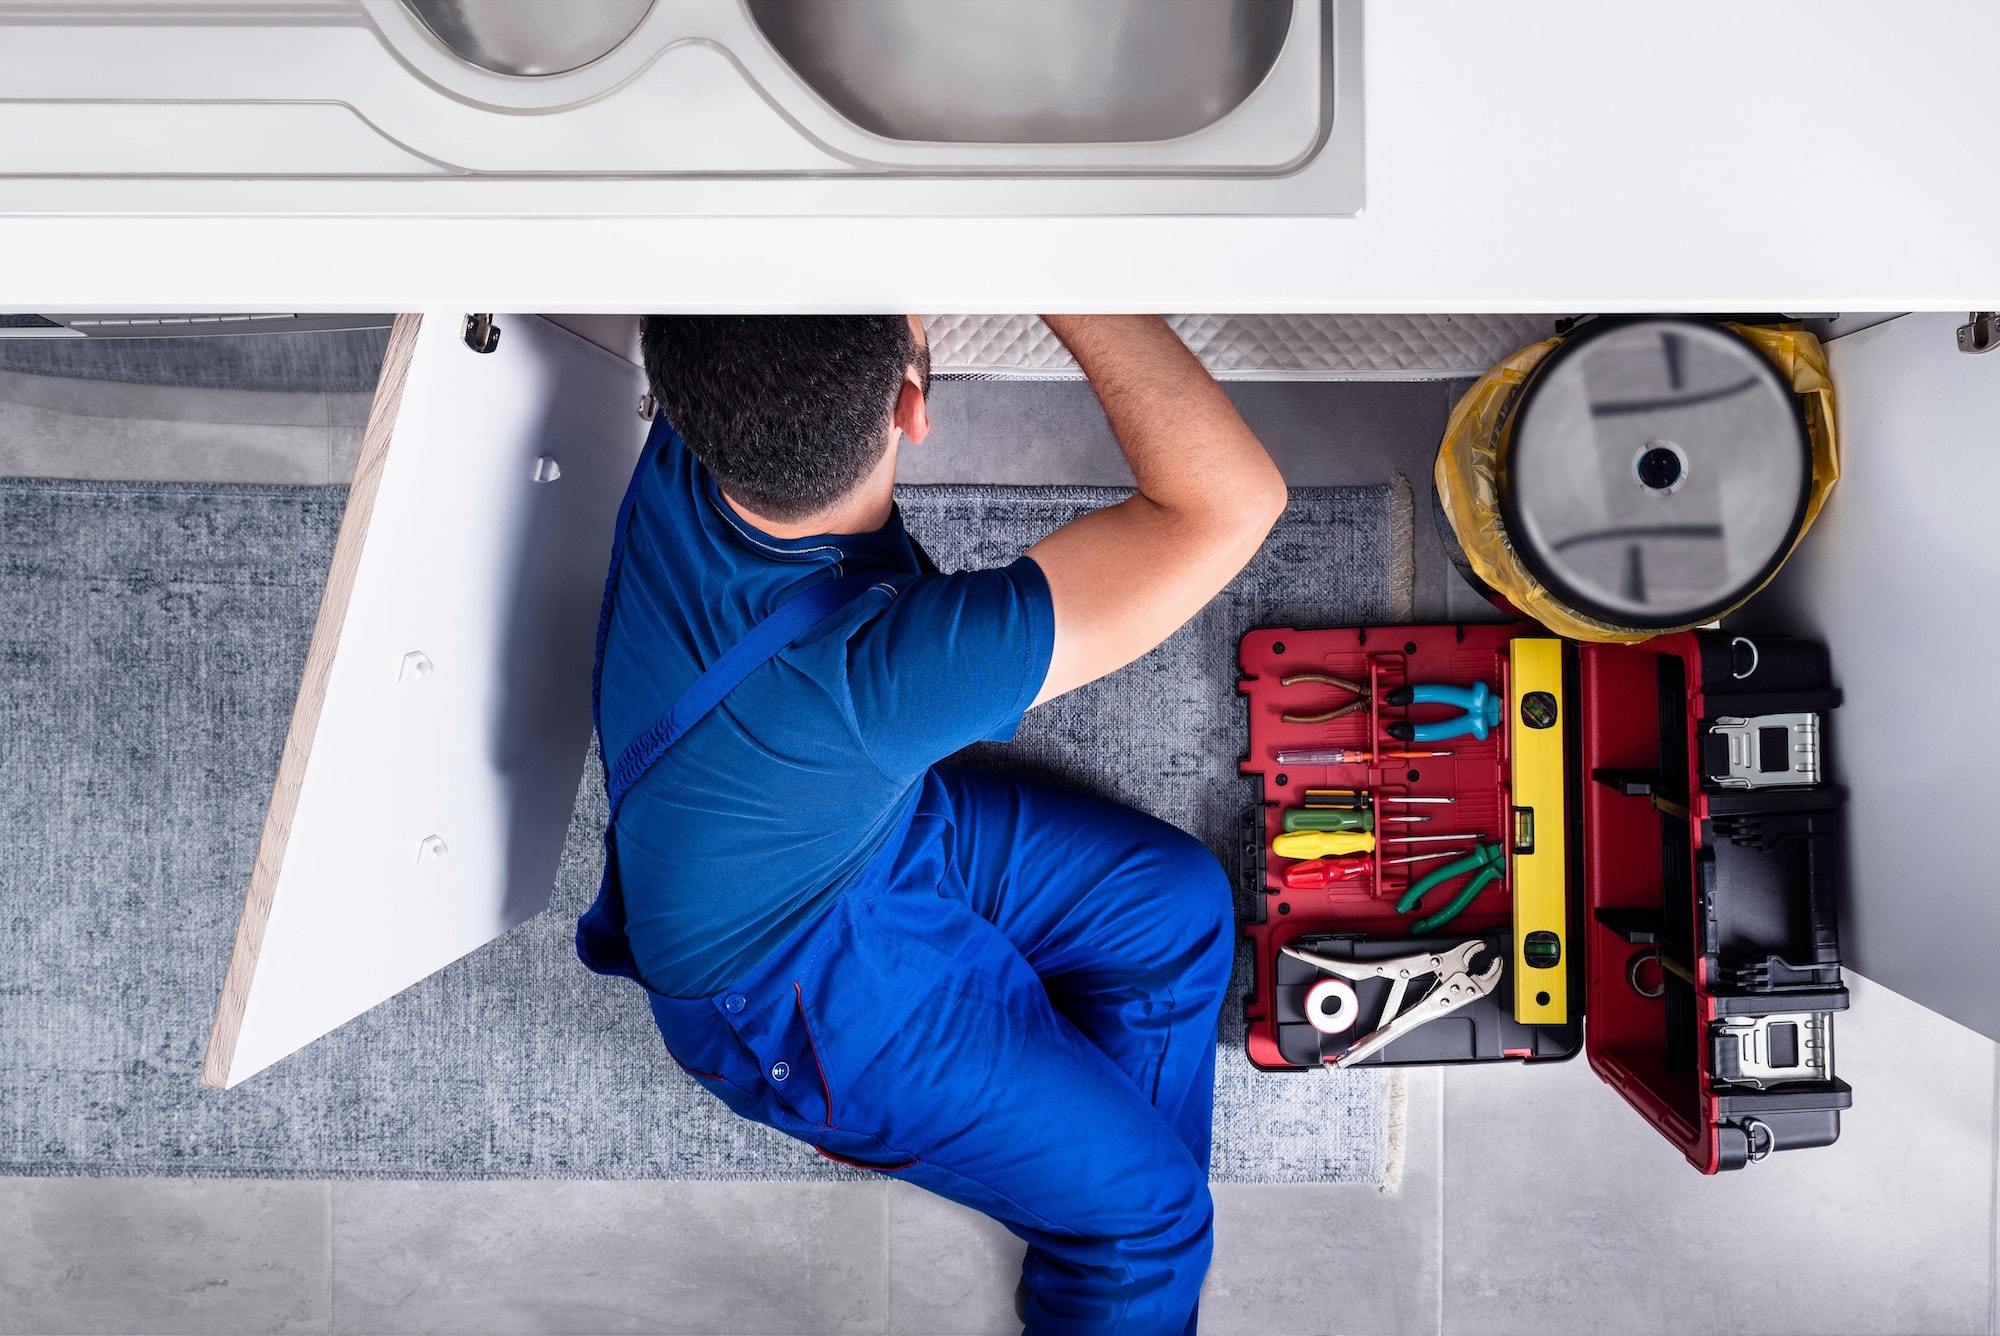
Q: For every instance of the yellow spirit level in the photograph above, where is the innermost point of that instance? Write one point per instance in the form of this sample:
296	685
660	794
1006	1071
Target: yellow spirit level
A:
1539	847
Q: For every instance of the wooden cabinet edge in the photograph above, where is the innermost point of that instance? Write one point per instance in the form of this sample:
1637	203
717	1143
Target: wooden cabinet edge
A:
353	536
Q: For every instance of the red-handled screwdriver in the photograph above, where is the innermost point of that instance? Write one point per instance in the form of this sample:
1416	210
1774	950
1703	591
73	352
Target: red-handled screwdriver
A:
1321	873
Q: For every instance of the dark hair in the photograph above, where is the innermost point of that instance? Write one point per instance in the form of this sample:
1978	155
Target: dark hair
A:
789	412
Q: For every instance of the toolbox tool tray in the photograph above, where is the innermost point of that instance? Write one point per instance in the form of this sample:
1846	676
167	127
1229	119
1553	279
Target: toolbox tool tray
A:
1699	966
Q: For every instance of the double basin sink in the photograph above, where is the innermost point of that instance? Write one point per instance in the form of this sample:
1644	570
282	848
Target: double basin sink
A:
692	106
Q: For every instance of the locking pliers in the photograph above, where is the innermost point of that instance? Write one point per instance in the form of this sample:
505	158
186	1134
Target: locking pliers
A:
1456	985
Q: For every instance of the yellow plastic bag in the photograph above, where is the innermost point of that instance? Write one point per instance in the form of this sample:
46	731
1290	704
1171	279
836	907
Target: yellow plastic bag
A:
1474	452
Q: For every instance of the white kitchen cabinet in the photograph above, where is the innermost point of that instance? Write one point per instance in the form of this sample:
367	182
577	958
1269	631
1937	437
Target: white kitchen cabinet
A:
1567	155
443	720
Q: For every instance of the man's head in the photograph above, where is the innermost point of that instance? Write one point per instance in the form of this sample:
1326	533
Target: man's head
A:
790	413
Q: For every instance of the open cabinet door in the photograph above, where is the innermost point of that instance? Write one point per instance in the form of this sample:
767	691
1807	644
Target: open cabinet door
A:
443	717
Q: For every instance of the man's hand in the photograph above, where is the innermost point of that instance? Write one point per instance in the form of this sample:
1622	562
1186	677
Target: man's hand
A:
1126	577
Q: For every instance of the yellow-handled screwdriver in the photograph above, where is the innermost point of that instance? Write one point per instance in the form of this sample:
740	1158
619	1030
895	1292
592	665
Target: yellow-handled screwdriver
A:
1332	843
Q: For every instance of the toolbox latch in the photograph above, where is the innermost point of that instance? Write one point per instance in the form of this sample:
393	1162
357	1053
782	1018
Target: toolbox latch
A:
1762	751
1766	1051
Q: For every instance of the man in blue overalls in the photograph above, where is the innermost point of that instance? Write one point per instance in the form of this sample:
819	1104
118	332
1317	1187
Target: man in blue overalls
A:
1000	990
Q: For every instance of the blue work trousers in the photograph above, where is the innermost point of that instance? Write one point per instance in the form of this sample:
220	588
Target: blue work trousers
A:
1015	1007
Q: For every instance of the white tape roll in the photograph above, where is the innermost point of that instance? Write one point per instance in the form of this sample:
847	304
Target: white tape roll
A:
1331	1006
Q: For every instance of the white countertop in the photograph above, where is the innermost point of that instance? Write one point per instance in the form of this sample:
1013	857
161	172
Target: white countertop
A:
1556	156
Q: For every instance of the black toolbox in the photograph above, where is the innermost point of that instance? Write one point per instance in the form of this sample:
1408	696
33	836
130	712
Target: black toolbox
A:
1666	898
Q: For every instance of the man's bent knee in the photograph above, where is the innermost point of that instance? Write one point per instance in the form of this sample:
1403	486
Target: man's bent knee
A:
1197	898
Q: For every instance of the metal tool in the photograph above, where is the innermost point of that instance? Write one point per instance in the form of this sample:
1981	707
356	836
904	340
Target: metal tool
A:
1360	798
1480	712
1350	756
1456	986
1486	864
1360	700
1426	857
1343	818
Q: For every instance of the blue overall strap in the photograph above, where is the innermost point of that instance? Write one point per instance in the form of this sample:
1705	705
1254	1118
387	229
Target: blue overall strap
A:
600	932
601	943
759	646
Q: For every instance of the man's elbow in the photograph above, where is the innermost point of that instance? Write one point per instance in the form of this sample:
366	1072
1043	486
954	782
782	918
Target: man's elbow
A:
1277	496
1259	503
1235	516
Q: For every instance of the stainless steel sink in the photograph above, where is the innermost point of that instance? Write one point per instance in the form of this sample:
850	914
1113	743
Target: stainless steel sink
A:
1028	71
715	107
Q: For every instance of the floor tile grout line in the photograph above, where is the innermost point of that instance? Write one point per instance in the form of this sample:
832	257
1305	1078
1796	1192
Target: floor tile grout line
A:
331	1325
1443	1181
1993	1216
888	1261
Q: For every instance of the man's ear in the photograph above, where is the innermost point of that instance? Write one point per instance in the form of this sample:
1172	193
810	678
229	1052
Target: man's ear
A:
912	416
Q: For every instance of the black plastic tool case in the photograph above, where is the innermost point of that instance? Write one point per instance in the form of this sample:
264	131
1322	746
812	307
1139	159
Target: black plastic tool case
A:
1702	949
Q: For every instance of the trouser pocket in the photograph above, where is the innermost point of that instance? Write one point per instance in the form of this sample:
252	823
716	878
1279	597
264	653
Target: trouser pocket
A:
859	1151
780	1043
771	1072
815	1028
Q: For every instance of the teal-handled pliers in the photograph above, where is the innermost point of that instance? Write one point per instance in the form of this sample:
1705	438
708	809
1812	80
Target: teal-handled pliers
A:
1487	863
1481	706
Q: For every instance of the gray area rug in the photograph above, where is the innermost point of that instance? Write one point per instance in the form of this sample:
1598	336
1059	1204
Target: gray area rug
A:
330	361
151	638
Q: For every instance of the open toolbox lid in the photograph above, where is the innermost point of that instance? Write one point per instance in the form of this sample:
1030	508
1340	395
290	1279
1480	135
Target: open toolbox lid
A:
1698	962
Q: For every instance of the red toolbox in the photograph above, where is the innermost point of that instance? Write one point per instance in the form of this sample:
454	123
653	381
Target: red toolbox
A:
1661	838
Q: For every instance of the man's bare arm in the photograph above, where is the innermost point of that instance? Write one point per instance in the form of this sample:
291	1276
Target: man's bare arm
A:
1126	577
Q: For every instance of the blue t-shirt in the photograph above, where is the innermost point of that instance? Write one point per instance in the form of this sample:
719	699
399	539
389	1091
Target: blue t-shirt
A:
765	810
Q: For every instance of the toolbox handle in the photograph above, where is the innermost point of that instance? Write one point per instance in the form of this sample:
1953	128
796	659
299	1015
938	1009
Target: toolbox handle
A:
1628	783
1635	927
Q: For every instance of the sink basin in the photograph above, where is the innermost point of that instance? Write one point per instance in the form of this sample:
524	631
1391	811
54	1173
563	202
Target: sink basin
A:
1028	71
525	108
533	39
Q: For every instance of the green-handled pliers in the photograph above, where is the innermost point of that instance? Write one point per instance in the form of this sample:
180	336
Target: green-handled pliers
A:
1487	863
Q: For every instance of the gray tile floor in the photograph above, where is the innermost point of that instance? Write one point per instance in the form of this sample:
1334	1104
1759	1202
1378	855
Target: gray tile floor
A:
1532	1201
